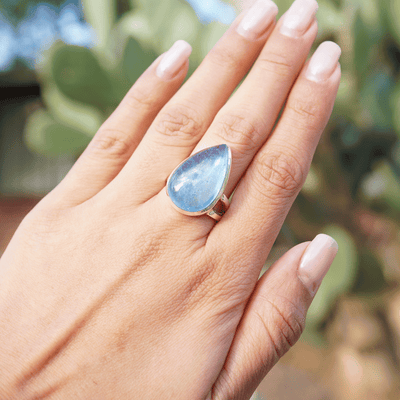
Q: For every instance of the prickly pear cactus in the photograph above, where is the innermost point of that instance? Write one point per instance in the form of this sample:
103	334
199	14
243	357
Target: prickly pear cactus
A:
82	86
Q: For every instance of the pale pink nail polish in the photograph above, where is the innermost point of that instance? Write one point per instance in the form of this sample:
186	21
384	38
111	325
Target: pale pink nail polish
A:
173	60
324	62
257	19
316	261
298	18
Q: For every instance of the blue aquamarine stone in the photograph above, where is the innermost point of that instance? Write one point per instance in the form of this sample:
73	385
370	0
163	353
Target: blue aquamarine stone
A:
198	181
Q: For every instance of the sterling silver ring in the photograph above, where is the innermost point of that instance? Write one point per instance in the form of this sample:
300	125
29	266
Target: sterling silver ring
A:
197	185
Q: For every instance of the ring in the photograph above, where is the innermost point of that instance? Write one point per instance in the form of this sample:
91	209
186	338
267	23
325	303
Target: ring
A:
197	185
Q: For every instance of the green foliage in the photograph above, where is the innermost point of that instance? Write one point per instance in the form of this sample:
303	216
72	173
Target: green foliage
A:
101	15
16	10
78	74
395	107
381	189
375	98
393	11
50	137
370	277
83	117
135	58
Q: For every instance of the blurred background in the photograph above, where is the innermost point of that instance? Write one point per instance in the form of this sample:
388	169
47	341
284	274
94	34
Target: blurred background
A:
66	64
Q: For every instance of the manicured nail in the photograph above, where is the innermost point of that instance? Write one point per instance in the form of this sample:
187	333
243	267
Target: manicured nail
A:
298	18
316	261
173	60
258	18
324	62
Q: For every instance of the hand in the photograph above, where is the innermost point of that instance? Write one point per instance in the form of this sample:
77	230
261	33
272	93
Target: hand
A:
108	292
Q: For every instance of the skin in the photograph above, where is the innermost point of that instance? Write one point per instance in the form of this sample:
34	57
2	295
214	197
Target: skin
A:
107	292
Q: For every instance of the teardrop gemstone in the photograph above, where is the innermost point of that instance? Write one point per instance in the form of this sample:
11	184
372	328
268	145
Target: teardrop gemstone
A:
200	180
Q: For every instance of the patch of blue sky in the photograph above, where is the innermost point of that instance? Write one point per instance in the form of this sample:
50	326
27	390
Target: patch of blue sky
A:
8	45
36	33
46	24
72	29
213	10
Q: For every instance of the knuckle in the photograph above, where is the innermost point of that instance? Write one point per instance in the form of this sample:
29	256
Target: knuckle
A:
47	232
111	143
225	295
279	175
137	97
277	63
196	286
239	132
179	121
304	114
288	323
223	57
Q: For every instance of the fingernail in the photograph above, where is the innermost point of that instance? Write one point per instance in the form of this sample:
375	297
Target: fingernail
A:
257	19
316	261
298	18
324	62
173	60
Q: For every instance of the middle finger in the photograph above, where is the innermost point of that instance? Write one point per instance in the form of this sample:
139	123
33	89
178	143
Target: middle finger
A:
245	122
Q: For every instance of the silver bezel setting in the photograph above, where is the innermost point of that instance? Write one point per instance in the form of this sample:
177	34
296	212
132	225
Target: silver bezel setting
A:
220	193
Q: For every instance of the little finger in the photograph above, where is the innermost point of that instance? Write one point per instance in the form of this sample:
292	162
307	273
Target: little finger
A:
274	317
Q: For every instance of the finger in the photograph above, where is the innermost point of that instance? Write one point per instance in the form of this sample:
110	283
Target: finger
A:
274	317
180	125
249	116
276	174
119	136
